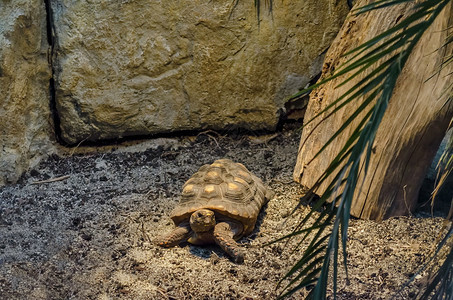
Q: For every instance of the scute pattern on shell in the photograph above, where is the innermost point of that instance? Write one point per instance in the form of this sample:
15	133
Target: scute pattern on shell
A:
228	189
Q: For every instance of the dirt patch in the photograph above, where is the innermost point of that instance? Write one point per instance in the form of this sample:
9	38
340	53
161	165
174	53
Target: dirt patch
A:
90	236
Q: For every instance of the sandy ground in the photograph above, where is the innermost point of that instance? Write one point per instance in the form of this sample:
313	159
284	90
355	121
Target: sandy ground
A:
90	235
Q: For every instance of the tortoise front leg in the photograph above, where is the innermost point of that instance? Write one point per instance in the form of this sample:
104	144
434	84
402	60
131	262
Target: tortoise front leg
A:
223	236
179	235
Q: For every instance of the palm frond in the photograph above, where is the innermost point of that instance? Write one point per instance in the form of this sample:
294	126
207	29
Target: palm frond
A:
439	279
440	283
269	4
387	54
444	168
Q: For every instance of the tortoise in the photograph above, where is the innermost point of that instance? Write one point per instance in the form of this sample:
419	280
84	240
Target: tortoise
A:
219	204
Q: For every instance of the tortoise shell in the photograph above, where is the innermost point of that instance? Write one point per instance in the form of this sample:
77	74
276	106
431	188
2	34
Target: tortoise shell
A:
228	189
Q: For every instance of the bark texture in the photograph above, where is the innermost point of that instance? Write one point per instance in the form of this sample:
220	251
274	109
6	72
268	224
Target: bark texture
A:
411	130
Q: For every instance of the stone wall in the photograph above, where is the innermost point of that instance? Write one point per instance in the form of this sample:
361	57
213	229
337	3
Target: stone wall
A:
25	118
126	68
111	69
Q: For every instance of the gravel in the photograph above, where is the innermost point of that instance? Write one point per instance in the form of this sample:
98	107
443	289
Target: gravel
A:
81	226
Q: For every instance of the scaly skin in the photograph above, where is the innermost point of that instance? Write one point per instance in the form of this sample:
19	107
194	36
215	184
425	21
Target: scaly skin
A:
178	235
202	229
223	236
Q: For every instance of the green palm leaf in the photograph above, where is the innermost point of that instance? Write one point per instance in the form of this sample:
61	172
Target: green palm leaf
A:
445	167
387	53
440	283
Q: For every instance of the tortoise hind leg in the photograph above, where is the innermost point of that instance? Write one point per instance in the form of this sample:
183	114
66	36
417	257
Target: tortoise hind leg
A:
179	235
223	236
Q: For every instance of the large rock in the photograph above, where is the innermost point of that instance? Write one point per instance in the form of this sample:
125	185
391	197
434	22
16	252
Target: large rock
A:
140	67
25	119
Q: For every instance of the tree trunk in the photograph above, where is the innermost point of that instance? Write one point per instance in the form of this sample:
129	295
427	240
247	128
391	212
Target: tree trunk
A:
411	130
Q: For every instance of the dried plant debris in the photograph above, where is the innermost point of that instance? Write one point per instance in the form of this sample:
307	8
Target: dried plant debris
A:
82	225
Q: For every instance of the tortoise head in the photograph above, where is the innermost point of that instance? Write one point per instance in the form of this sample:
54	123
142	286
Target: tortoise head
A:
202	220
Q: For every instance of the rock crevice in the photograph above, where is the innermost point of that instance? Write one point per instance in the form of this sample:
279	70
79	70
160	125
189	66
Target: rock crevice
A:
51	40
73	71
